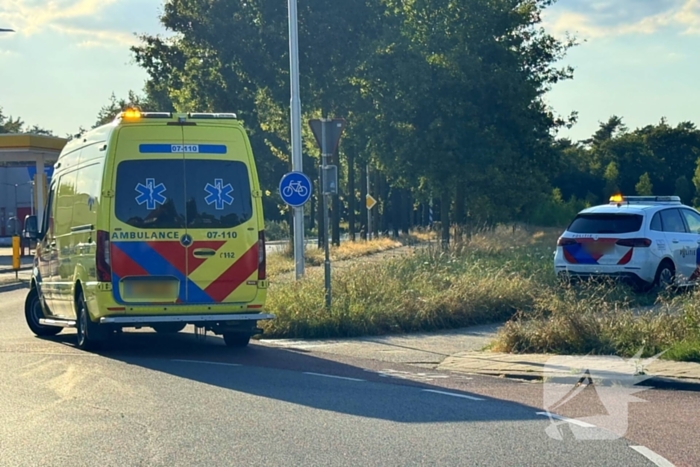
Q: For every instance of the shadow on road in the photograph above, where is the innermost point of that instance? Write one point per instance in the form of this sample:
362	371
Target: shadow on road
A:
277	374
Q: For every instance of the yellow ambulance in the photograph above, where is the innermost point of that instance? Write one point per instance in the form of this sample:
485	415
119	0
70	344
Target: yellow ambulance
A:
154	220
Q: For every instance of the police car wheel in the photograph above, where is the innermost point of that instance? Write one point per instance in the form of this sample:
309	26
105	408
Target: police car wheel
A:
666	275
236	340
33	313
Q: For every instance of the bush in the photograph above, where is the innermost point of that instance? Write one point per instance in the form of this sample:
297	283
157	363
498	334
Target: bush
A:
276	230
555	212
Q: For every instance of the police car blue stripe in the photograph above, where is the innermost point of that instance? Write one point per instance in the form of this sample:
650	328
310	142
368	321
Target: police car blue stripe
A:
182	148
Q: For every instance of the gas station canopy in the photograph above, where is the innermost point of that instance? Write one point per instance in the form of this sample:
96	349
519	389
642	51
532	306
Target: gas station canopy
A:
22	150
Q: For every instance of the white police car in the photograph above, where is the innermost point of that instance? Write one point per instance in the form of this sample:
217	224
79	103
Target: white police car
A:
646	240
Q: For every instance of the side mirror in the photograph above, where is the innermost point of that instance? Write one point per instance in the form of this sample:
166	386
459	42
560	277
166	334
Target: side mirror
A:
31	228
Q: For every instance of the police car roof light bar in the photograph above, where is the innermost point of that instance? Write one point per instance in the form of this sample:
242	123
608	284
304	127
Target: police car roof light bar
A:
646	199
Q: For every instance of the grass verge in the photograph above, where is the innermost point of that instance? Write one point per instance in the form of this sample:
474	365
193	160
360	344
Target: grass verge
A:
604	320
494	276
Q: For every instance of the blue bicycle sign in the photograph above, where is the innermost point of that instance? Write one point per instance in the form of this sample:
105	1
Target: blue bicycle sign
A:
295	189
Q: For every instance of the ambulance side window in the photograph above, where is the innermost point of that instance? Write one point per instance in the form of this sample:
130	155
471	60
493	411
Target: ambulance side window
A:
47	223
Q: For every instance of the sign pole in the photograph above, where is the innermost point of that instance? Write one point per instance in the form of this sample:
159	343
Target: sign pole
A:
297	160
327	262
327	133
369	211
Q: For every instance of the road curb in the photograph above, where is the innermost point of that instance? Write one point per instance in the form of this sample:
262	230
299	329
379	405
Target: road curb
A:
655	382
14	286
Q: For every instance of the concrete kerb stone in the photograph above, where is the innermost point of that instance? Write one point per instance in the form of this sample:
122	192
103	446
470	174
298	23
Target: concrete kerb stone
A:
12	286
663	374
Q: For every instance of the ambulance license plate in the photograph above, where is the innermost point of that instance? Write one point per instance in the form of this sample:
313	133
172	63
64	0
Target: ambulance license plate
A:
161	289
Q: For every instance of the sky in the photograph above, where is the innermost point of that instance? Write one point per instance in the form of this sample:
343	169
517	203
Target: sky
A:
636	59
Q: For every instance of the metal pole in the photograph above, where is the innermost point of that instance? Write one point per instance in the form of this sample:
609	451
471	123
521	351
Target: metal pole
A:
369	211
327	262
296	133
16	212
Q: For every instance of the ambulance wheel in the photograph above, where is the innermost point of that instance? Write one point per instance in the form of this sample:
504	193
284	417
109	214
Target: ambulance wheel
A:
89	335
169	328
236	339
33	313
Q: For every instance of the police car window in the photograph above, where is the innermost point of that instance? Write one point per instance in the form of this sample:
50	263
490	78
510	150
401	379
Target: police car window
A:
605	223
656	223
218	193
150	194
692	218
672	221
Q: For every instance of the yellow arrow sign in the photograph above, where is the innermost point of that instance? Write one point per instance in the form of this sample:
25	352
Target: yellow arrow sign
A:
370	202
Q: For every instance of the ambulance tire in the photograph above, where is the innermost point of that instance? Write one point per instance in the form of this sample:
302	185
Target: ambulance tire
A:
33	312
89	335
169	328
236	339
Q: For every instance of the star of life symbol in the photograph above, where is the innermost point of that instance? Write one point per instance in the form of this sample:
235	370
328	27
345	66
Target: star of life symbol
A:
614	381
150	194
218	194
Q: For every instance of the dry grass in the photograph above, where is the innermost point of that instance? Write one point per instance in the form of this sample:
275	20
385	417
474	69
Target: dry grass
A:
485	280
282	262
427	290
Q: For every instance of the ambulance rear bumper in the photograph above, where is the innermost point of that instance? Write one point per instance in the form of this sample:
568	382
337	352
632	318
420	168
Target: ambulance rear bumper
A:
190	319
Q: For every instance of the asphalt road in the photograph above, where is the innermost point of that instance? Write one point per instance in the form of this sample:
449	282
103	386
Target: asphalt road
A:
151	400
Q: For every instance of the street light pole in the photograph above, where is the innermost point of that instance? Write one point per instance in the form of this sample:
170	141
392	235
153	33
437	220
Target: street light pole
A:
296	133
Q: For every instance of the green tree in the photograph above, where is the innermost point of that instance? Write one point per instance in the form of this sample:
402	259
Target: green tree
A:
696	182
17	125
683	189
644	187
611	176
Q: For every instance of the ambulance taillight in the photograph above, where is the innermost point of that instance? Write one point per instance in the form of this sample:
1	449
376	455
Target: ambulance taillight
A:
104	267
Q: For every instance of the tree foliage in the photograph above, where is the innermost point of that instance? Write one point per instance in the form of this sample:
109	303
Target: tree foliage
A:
9	124
445	101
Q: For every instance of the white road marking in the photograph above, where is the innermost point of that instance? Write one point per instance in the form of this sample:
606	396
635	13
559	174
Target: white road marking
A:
652	456
333	376
207	363
573	421
463	396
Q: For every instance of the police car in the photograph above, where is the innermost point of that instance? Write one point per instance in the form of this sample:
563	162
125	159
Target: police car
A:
647	241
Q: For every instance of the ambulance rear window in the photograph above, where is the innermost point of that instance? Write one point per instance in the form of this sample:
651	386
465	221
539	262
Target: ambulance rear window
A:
178	194
218	193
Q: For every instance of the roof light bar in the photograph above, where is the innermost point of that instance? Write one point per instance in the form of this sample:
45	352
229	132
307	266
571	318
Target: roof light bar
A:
135	114
618	199
223	116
